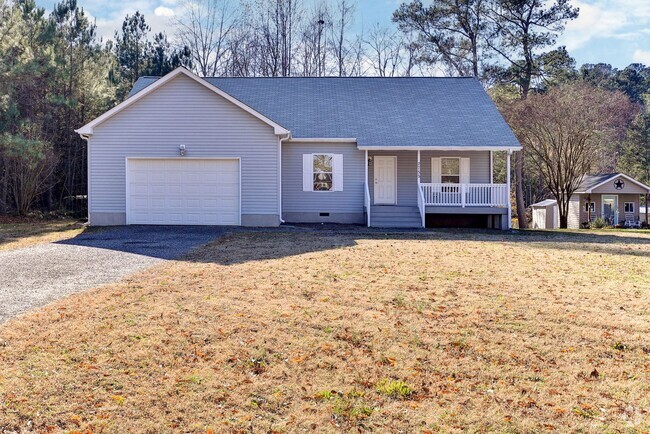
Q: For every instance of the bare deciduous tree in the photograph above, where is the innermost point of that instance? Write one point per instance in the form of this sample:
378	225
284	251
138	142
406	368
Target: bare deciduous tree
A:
385	51
566	132
314	43
341	25
204	26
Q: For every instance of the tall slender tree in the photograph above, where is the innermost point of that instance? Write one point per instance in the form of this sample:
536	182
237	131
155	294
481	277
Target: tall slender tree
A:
520	29
452	31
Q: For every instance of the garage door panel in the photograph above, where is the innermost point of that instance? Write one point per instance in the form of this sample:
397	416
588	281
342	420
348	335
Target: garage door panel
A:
183	191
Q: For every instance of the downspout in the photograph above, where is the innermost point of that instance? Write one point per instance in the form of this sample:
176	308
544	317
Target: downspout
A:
282	139
86	137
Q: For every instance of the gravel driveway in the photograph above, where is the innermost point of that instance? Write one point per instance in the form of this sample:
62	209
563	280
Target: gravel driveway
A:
34	276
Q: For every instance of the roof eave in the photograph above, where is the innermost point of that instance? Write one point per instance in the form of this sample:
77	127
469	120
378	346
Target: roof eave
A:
440	148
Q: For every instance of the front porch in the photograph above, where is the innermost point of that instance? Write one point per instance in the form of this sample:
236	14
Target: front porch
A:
441	188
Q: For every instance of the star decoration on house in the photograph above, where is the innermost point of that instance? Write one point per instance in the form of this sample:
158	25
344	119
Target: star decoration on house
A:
619	184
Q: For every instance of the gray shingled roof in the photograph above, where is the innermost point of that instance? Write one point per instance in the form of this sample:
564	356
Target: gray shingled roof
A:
401	112
590	181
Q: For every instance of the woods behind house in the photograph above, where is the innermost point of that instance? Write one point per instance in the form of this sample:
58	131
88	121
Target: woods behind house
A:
56	74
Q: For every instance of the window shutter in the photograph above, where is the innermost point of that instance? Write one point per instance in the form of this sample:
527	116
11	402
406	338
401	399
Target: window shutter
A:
307	172
436	170
337	169
464	170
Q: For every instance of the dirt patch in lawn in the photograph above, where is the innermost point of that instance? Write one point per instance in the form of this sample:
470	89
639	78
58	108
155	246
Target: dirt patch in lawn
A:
290	332
16	233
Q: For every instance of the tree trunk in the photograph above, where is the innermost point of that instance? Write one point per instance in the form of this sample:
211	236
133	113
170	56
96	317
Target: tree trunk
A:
519	190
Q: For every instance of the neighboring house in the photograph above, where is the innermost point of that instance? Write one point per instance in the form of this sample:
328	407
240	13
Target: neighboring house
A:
612	196
390	152
546	214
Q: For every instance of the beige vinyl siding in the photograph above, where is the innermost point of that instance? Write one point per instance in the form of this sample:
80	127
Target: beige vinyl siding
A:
184	112
609	188
597	199
597	204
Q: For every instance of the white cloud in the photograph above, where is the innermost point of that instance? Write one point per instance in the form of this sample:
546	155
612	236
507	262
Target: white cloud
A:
641	56
594	21
157	17
162	11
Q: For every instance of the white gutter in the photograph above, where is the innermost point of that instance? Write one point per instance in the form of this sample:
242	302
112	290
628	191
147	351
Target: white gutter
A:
323	140
438	148
282	139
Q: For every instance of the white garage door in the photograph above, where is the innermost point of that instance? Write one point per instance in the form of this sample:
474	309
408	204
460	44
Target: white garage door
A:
182	192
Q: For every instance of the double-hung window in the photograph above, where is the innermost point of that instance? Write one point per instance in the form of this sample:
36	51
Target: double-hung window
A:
629	207
450	170
323	172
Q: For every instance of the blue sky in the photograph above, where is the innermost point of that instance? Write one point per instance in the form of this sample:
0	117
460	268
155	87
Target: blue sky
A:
611	31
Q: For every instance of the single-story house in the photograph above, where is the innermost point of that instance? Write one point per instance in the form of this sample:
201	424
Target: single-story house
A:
386	152
613	196
546	214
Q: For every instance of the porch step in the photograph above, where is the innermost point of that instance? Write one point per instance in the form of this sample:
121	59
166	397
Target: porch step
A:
395	217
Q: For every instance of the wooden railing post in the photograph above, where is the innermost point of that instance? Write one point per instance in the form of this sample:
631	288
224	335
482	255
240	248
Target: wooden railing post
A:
462	194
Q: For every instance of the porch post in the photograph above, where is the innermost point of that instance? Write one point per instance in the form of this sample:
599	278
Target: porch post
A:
491	167
509	216
647	196
419	168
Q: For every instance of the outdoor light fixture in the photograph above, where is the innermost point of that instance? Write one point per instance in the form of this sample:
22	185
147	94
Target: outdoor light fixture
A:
181	150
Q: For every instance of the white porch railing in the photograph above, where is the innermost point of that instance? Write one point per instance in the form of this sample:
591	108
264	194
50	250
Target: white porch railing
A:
366	202
464	195
421	207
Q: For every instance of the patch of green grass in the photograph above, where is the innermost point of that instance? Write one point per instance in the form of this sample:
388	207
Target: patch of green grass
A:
394	389
351	409
326	395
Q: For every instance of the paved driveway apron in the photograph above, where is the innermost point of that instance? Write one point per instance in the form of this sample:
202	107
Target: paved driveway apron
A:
34	276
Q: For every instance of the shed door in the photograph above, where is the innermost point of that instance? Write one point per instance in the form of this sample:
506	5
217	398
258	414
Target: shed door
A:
180	191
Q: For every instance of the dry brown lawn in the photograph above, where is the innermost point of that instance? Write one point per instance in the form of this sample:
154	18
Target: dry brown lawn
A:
16	233
303	331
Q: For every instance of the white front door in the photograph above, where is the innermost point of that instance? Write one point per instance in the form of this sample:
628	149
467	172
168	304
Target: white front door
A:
385	180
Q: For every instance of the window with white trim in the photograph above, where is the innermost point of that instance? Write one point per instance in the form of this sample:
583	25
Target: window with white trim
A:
450	170
629	207
323	172
590	206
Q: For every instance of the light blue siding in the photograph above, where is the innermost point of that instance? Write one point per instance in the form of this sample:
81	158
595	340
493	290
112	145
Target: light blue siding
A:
295	200
479	164
407	177
407	170
184	112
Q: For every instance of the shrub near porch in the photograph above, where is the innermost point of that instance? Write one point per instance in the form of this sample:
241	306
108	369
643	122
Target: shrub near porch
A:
283	332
